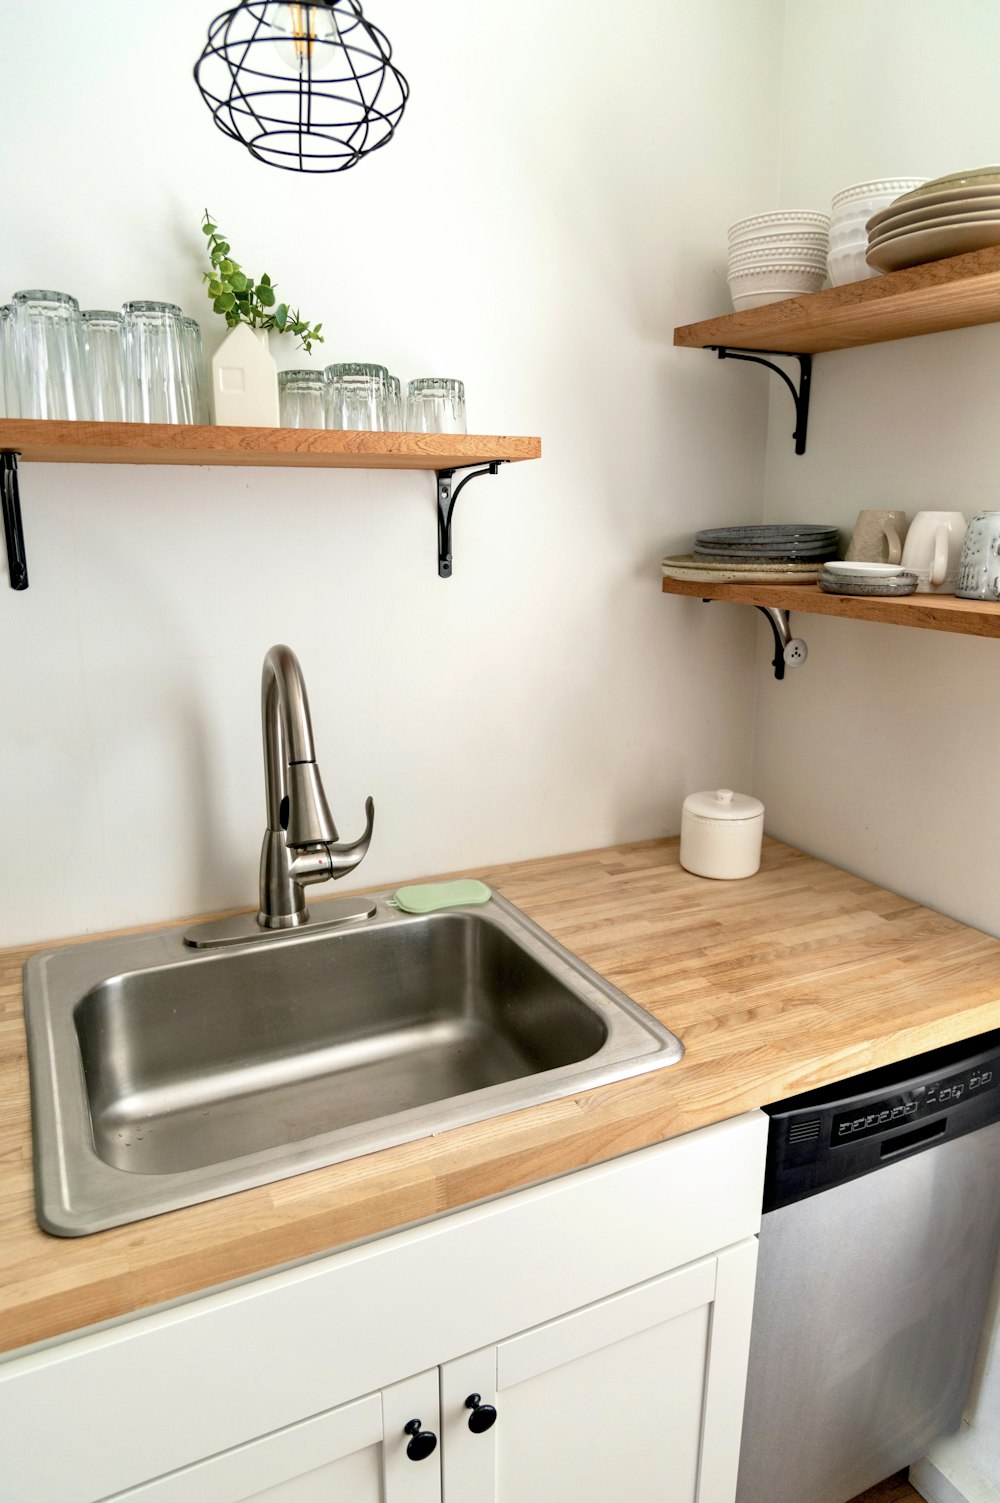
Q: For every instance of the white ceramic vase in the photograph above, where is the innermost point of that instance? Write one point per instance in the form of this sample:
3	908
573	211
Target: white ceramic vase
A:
245	380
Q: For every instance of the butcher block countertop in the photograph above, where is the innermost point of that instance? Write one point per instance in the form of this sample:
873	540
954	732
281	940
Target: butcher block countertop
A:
790	979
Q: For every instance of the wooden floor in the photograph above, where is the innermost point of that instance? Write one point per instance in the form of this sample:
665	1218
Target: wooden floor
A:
893	1490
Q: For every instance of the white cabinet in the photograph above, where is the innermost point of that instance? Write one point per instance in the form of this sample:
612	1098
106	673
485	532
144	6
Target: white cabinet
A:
630	1398
605	1315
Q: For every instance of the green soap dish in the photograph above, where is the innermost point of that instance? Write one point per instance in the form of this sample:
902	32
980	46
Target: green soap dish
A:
429	897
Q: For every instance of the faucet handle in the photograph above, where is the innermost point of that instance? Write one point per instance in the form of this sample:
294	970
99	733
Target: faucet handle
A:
344	858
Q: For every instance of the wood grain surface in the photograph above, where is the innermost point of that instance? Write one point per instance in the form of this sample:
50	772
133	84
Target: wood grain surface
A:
798	976
185	443
955	293
972	618
894	1489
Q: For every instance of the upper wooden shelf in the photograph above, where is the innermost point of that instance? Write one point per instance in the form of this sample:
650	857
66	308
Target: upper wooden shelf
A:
176	443
974	618
953	294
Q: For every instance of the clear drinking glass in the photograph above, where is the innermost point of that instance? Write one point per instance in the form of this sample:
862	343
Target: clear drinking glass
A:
8	385
104	363
156	391
394	405
47	351
195	369
356	397
435	404
302	399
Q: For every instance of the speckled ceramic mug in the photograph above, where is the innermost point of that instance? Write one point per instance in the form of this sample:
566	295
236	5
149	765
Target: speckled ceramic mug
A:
877	537
979	568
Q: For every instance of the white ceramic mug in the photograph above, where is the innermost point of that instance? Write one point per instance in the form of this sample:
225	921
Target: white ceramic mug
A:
877	537
979	567
932	550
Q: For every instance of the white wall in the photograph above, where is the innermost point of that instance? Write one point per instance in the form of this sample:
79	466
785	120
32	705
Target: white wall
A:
880	754
554	204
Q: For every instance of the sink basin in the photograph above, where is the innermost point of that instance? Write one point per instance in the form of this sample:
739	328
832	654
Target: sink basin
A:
163	1076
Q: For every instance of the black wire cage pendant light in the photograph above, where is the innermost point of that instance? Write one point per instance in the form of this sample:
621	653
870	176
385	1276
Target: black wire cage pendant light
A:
311	88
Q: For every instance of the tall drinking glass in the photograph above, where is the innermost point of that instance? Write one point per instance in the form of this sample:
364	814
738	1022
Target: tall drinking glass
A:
195	370
104	363
302	399
356	397
8	385
156	391
47	350
435	405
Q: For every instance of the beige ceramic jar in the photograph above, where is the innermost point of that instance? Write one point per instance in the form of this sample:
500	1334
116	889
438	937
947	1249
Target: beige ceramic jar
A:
721	834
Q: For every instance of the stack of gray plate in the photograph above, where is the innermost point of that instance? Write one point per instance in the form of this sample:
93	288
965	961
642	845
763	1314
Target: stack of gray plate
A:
780	552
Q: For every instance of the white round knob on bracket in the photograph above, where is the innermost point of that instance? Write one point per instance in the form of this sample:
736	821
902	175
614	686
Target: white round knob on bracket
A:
795	652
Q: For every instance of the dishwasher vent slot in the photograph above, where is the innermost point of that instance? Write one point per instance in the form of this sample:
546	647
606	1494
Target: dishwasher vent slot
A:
804	1132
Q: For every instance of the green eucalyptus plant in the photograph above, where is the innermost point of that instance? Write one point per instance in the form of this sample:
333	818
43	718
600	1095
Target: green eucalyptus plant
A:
242	300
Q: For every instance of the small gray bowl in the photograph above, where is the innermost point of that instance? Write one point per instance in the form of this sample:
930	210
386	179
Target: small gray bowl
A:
903	583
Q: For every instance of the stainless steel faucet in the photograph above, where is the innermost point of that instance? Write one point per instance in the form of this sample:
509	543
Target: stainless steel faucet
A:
300	842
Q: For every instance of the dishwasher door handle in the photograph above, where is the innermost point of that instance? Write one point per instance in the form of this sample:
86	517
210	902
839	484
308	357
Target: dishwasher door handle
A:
915	1138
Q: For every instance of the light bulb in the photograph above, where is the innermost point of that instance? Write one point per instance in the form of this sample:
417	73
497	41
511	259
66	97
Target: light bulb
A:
307	40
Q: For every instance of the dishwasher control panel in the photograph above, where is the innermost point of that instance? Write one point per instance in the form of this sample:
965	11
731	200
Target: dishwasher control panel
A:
909	1106
852	1127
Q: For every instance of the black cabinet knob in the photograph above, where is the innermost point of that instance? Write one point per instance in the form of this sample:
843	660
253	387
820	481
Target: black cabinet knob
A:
421	1443
483	1416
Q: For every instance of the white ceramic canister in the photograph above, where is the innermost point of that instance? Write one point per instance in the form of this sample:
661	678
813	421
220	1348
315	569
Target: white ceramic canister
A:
721	834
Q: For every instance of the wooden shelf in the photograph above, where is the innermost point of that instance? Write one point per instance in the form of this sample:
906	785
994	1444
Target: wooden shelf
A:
954	294
972	618
175	443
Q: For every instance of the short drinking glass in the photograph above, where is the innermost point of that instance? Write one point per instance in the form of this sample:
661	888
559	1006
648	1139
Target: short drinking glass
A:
154	364
357	397
48	355
435	405
104	363
302	399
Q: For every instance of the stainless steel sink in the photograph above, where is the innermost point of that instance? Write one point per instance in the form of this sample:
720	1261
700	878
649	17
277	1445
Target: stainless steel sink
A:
163	1076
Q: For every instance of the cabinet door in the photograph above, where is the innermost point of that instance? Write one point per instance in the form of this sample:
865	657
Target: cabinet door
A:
636	1398
356	1453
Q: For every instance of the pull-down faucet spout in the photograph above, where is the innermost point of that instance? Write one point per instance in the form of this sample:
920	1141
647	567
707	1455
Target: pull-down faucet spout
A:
300	841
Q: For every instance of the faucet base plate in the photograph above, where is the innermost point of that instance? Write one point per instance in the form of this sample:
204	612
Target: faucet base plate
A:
243	928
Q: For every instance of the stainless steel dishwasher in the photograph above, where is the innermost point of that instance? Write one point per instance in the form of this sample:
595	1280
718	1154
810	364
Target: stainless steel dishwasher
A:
877	1249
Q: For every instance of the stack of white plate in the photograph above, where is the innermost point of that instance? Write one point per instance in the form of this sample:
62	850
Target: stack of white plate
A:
851	208
946	217
777	256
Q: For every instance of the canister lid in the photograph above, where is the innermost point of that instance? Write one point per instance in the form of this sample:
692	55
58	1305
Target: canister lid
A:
723	803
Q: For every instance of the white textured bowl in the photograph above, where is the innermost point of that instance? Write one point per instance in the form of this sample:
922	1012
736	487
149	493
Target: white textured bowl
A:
774	283
780	255
814	239
780	222
742	300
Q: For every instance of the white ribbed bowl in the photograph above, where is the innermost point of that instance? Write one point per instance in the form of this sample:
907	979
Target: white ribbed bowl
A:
849	265
780	222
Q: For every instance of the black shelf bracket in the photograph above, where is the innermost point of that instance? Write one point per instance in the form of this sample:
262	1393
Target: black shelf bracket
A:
789	651
800	393
13	528
447	495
